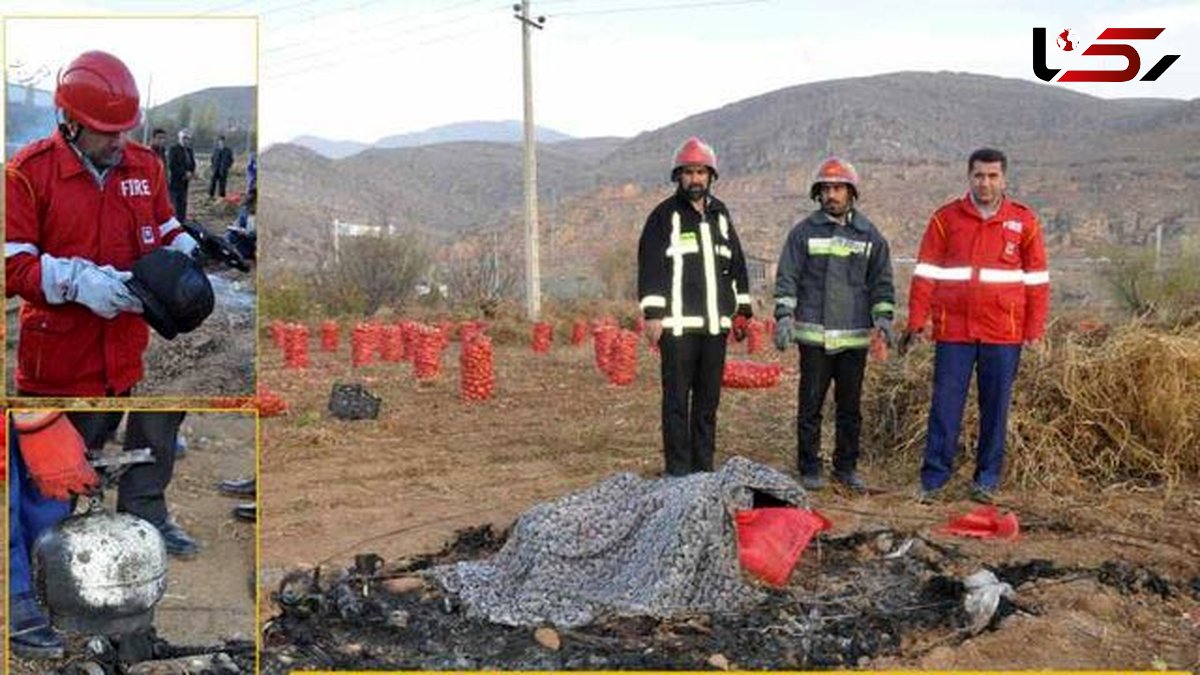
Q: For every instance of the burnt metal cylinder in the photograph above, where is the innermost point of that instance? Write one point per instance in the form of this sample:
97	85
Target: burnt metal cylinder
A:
100	572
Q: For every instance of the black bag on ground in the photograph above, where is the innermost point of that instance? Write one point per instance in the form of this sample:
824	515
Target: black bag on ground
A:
353	402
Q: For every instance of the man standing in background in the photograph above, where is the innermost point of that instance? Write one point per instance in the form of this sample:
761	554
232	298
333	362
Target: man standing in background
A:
158	143
221	163
181	168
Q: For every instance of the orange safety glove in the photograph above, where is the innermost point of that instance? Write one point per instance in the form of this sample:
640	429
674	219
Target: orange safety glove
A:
55	455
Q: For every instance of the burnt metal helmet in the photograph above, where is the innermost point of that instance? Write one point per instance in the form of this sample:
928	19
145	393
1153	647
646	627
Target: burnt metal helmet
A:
176	295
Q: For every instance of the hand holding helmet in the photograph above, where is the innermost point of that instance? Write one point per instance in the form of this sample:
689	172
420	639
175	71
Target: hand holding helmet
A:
99	288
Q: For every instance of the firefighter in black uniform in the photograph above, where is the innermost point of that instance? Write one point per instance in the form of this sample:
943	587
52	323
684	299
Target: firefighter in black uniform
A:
692	283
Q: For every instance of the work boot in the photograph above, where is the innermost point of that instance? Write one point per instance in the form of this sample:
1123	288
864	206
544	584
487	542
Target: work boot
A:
851	482
32	637
982	495
929	496
179	543
812	481
247	512
239	487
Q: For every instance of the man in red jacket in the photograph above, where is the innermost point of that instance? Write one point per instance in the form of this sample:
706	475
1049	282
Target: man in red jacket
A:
981	281
82	206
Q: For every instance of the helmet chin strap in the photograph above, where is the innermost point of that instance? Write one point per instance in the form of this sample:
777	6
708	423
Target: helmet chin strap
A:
69	128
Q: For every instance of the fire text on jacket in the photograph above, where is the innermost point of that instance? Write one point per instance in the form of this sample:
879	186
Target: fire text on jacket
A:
135	187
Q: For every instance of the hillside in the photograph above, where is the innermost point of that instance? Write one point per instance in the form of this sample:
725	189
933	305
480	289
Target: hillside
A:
506	131
1098	170
225	107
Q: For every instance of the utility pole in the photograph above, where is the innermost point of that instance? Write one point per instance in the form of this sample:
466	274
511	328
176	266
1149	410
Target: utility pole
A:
533	285
1158	237
146	116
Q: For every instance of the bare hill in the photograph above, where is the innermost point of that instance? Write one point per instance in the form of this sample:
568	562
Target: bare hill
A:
228	106
1098	170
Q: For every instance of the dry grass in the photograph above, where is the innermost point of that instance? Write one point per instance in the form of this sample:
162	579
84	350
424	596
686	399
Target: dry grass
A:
1101	407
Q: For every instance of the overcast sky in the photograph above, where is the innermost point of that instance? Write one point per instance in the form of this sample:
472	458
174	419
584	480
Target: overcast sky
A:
168	57
364	69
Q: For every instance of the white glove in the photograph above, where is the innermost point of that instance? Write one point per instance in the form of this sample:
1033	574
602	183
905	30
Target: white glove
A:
100	289
185	244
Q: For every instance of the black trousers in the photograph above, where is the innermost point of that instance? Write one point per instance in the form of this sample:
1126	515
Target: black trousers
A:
216	184
179	200
818	369
691	391
142	489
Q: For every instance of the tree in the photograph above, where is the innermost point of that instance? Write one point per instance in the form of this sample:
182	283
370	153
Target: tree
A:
375	271
483	271
185	114
618	272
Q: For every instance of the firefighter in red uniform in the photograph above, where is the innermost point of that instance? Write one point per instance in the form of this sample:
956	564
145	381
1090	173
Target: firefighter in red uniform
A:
981	281
83	205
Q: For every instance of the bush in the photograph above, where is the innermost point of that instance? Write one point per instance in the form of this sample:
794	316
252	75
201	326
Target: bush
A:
372	272
288	296
1170	295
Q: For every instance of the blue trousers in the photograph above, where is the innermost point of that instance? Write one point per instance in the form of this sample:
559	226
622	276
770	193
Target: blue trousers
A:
996	368
29	515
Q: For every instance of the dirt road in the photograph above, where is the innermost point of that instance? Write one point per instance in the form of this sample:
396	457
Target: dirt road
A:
403	484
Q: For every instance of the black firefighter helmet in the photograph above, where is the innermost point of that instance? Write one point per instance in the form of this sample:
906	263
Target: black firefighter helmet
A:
176	295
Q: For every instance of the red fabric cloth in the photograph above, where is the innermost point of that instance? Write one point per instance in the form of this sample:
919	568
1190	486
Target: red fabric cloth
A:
985	522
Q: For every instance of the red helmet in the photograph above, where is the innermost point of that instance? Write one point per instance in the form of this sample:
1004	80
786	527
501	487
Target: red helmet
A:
98	91
694	151
834	170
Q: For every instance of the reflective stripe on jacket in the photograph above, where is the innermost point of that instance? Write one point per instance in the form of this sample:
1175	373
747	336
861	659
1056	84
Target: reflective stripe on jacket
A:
691	269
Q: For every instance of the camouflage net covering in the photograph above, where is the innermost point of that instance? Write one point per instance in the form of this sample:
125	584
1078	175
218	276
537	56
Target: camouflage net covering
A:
628	546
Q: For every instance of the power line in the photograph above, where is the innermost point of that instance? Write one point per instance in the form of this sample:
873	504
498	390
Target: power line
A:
359	39
338	59
373	26
657	8
239	5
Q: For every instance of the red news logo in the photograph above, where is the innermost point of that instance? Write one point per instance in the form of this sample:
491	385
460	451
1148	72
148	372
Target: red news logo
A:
1132	58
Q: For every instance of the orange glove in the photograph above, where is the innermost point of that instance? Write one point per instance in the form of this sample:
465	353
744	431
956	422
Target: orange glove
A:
55	455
